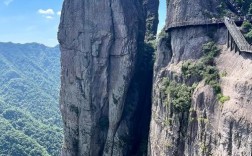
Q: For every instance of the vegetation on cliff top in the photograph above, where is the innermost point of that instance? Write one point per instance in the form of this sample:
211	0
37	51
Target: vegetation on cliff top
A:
205	69
247	30
179	93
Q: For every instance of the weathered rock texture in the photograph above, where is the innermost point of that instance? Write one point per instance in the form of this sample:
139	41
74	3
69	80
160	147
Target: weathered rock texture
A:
182	44
223	129
101	41
210	127
191	10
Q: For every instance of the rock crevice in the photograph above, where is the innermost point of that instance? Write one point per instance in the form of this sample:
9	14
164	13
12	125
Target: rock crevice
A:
99	56
214	124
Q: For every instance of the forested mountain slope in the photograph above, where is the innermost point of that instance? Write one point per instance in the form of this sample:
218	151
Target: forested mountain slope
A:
30	122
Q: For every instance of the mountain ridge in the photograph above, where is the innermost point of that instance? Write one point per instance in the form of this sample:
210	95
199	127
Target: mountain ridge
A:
29	97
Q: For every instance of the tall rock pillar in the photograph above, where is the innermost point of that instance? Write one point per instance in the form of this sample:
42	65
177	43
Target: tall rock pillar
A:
99	40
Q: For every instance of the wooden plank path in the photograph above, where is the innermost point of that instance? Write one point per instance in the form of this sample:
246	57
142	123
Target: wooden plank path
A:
194	23
238	41
202	22
237	36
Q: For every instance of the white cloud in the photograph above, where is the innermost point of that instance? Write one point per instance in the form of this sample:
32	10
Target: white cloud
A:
46	12
59	13
7	2
48	17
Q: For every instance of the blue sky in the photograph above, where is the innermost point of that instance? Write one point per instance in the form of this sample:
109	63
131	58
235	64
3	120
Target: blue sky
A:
25	21
162	14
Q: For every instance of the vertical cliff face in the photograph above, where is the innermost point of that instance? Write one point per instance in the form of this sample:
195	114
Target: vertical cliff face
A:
101	42
192	10
201	96
188	117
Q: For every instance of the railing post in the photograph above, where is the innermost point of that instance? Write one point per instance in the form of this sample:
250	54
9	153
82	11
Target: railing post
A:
228	45
236	48
232	43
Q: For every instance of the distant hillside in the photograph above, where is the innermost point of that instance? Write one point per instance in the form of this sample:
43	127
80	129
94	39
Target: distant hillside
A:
29	93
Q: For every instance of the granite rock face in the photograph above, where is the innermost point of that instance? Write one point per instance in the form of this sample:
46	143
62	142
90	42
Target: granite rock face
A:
209	127
179	11
182	44
151	14
100	42
107	81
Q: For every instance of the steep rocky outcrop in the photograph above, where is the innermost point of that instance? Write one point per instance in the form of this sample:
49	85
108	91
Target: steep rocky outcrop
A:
182	44
179	11
211	126
101	44
151	15
107	73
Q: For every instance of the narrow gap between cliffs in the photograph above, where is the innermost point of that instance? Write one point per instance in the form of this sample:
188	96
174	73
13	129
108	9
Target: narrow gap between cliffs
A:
139	99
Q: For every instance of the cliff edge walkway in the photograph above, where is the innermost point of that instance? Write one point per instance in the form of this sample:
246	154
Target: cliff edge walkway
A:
236	39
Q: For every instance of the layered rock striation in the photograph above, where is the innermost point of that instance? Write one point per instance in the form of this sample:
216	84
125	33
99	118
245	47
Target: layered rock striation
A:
101	42
212	124
110	95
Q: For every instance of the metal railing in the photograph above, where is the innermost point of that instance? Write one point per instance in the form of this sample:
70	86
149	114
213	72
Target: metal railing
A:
194	23
237	36
207	21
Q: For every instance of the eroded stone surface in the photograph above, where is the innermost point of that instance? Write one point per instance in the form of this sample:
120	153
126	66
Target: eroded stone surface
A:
99	41
210	127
